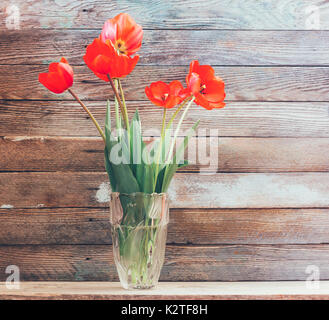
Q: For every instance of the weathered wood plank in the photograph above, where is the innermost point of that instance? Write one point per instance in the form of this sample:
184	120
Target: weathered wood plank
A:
188	190
240	119
187	226
225	14
232	155
176	47
55	226
242	83
251	190
197	263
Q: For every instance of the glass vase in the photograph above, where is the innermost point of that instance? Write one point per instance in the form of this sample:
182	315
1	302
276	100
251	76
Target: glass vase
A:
139	232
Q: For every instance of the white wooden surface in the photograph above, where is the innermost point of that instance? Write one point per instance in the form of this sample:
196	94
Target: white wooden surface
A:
168	290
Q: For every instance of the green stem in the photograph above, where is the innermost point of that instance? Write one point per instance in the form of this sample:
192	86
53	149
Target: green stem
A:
160	147
89	113
118	120
122	107
177	130
175	114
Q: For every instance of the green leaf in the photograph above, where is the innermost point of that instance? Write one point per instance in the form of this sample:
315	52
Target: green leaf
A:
143	170
166	146
109	170
117	117
161	174
172	167
121	174
108	166
126	182
136	145
184	164
148	171
108	115
148	183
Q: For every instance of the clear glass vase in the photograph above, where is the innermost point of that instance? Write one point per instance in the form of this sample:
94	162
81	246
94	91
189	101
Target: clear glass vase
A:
139	232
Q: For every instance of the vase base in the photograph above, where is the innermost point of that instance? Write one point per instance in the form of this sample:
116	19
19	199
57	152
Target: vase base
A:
142	287
138	287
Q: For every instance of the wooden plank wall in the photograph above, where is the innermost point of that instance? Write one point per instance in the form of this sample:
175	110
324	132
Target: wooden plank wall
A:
264	214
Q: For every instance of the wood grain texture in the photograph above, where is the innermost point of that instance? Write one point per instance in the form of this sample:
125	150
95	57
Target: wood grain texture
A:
237	119
283	290
188	190
55	226
156	14
242	83
176	47
197	263
232	155
187	226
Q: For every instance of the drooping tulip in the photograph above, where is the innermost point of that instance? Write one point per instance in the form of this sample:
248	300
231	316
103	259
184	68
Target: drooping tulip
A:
59	78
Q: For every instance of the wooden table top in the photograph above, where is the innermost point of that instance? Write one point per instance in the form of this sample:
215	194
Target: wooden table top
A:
167	290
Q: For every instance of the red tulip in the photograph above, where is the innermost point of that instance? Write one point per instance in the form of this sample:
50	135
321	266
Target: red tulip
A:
124	33
103	59
166	95
59	78
207	89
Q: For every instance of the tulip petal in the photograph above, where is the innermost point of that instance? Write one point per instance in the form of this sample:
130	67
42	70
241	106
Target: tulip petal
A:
214	91
66	70
172	101
217	105
205	72
208	90
149	94
194	82
53	82
109	31
175	87
164	95
101	64
102	58
103	77
201	101
159	89
124	29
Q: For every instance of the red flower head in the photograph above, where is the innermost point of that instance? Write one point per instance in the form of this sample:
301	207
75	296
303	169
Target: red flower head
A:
124	33
166	95
102	59
59	78
207	89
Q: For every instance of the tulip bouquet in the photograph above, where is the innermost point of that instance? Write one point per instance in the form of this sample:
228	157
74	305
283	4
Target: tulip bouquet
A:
139	173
